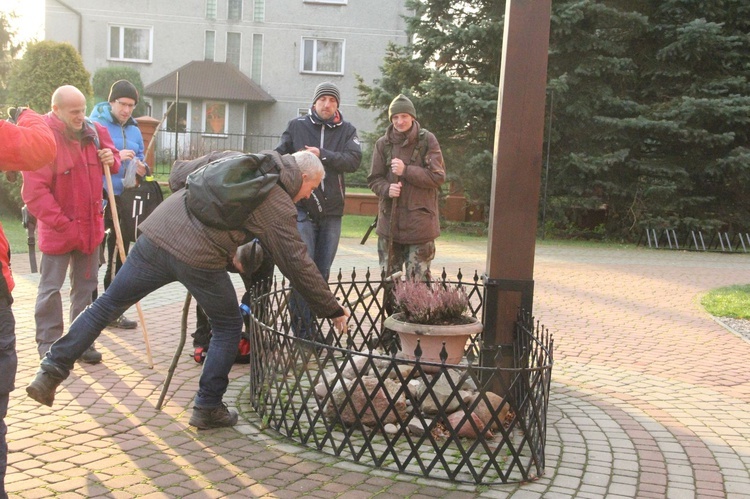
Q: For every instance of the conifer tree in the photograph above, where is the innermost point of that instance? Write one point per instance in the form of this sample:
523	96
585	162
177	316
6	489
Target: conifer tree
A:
45	66
650	103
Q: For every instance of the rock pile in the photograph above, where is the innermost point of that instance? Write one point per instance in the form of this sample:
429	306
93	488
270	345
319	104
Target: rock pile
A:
376	391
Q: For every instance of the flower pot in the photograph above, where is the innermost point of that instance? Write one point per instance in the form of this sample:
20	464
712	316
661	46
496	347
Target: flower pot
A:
431	338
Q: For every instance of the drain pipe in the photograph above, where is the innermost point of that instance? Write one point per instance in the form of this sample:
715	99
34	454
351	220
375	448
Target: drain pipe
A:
80	24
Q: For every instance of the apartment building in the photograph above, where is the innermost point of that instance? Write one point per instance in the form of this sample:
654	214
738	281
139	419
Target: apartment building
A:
234	67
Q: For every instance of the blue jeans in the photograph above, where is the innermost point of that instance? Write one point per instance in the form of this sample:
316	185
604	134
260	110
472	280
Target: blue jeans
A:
322	241
3	443
8	364
147	269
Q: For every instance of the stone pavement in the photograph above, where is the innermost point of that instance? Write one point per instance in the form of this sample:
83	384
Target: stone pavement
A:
650	397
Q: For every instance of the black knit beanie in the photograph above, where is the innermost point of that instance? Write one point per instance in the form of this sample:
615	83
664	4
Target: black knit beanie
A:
250	256
123	88
327	88
401	104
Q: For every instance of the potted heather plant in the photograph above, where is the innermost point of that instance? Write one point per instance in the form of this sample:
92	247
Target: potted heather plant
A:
432	314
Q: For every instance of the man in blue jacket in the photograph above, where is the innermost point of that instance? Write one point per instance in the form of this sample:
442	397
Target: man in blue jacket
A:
117	116
334	141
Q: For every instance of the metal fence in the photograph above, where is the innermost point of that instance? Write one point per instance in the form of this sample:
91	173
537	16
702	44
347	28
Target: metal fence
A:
187	145
354	397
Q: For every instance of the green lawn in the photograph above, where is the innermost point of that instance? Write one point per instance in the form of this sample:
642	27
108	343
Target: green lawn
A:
15	233
731	301
354	226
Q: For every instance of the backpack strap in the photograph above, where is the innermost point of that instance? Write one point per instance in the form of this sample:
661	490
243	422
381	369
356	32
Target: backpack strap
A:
90	124
419	151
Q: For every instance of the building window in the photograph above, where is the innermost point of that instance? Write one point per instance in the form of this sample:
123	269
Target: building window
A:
234	41
130	43
234	10
303	111
322	56
215	118
257	57
209	51
177	119
211	9
259	11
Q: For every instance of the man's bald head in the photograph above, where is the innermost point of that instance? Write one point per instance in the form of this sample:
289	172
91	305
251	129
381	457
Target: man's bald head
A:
66	93
69	104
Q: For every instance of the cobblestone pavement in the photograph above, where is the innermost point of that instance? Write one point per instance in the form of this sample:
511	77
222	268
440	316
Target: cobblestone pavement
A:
649	397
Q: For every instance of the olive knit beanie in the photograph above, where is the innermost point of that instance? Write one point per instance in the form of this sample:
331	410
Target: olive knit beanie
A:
401	104
327	88
123	88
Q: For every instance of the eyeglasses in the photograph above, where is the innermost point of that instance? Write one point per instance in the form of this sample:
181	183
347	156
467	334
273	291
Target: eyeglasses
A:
123	104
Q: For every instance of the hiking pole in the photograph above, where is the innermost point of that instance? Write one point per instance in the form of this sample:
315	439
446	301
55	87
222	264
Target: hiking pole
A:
121	250
29	223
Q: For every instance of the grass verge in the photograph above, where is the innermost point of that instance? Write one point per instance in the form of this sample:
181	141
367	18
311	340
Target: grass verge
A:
15	233
731	301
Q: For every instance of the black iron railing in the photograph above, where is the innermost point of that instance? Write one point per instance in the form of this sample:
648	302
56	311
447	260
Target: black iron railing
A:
343	396
187	145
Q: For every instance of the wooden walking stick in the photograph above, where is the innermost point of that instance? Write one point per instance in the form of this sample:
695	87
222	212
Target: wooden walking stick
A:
121	250
392	225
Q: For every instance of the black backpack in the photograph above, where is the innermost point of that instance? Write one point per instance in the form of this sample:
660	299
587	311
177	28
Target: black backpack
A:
136	204
223	193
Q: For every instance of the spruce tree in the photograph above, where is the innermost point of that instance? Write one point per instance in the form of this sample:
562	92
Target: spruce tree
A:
650	103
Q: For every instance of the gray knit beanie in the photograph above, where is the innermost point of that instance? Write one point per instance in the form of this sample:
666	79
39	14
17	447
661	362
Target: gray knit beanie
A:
327	88
401	104
122	88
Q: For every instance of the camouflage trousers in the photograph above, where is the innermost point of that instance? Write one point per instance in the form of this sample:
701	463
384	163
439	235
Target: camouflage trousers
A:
413	259
416	258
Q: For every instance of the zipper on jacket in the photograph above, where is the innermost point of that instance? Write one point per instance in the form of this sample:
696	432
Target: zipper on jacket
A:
322	142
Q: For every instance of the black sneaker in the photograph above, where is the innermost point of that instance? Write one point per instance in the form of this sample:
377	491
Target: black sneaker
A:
205	418
90	356
42	388
123	323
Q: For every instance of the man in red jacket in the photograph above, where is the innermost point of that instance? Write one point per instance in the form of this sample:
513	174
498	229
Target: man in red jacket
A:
27	146
66	198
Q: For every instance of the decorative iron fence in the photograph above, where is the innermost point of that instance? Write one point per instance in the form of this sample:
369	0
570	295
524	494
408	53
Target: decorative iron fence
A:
187	145
355	397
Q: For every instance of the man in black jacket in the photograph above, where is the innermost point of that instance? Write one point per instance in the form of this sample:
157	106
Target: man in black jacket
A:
334	141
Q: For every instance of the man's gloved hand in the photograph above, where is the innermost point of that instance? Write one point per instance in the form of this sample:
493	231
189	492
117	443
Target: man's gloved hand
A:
14	113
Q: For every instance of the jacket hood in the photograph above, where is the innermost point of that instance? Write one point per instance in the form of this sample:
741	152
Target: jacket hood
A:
336	120
290	177
103	112
57	125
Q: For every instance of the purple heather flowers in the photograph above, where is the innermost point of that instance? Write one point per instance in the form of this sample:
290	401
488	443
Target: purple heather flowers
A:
430	303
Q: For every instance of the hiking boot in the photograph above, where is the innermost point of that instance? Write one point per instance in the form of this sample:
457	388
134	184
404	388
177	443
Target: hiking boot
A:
205	418
123	323
90	356
42	388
